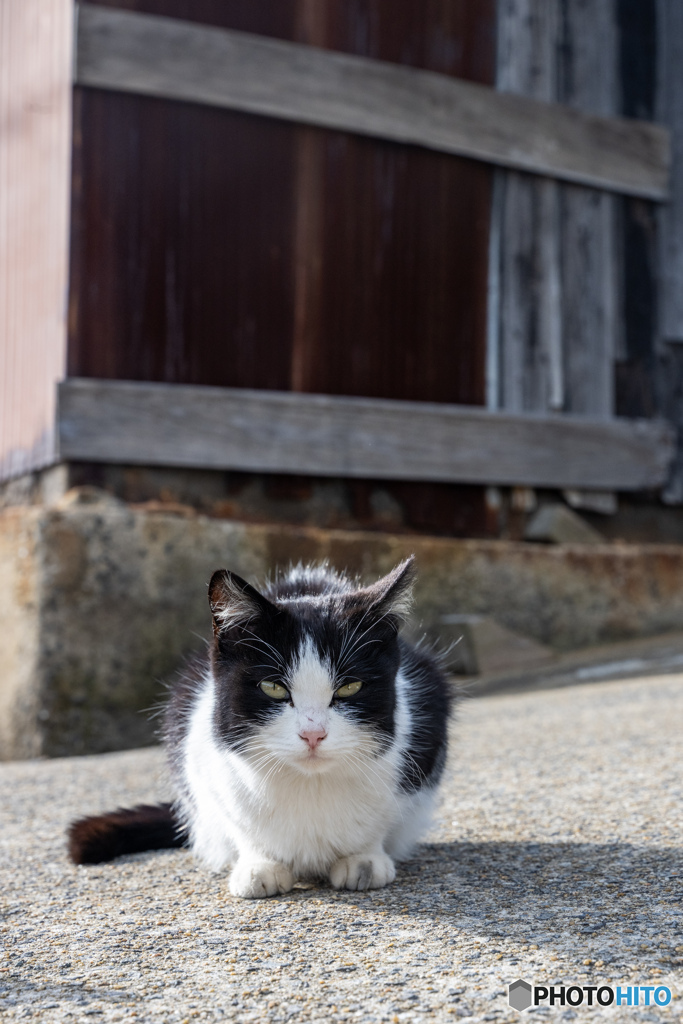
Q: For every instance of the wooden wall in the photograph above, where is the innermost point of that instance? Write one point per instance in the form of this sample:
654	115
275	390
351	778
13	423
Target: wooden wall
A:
554	280
665	252
215	247
669	110
224	248
391	240
35	140
649	363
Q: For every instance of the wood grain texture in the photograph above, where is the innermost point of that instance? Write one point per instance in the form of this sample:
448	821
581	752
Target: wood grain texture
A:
172	59
189	220
529	318
669	110
181	243
587	81
177	425
670	113
386	304
555	255
639	386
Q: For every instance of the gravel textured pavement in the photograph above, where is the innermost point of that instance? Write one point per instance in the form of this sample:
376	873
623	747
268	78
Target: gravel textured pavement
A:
555	858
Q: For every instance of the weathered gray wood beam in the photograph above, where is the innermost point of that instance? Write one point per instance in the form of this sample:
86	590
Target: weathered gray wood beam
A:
285	432
555	325
588	81
178	60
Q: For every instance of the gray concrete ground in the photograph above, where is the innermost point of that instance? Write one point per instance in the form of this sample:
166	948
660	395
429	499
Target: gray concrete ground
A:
556	858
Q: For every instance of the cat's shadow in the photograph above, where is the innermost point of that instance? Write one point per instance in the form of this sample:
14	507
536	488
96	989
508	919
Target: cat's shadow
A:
615	901
617	892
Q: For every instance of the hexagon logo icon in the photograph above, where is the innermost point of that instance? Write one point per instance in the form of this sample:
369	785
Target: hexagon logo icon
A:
519	994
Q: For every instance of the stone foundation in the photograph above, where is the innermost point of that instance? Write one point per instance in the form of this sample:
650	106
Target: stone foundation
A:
100	602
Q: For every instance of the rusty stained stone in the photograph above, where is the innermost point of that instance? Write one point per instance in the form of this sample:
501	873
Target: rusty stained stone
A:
69	556
102	601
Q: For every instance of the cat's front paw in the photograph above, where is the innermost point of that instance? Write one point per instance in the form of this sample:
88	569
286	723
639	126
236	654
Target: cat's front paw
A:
363	871
254	879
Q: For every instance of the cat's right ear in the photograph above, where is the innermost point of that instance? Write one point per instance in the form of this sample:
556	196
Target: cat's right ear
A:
234	602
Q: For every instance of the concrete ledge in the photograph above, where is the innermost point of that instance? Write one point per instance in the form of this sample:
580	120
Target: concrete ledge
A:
100	602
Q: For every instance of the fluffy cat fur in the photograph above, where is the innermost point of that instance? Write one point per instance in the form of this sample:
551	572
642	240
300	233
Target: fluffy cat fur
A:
309	744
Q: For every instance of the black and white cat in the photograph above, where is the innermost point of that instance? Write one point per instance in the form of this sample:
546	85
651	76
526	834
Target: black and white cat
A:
309	745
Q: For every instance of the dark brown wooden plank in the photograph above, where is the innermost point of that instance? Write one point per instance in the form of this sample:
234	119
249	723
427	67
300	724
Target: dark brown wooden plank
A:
168	58
390	304
181	243
155	424
386	303
376	224
273	18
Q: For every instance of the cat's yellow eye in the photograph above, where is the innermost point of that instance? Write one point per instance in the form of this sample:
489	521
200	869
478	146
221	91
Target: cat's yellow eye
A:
349	689
274	690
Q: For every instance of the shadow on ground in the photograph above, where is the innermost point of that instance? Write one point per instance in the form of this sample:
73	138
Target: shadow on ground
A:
578	894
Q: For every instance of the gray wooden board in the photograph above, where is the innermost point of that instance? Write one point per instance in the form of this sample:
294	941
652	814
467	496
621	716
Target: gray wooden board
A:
589	297
177	60
530	318
556	261
284	432
588	76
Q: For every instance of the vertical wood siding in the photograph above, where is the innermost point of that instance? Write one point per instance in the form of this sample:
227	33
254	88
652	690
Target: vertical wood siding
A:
35	108
670	113
392	254
181	242
636	365
552	331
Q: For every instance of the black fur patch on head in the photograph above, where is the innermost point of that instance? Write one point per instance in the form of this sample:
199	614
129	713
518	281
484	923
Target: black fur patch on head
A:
243	655
260	637
360	644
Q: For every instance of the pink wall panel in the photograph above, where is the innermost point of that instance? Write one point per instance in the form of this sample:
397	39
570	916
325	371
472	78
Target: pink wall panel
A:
35	157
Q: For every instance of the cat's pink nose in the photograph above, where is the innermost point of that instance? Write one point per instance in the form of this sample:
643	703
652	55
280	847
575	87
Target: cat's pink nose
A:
313	737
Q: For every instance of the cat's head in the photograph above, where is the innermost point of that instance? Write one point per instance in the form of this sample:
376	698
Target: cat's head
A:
305	674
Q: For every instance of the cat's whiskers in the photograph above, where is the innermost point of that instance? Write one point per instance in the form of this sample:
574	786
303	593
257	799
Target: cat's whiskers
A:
349	635
361	760
263	781
356	645
264	643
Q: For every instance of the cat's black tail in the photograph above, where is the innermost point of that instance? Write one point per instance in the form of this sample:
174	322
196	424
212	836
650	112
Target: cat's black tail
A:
106	836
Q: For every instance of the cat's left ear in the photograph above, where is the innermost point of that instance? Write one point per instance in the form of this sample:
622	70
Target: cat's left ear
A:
393	594
234	602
